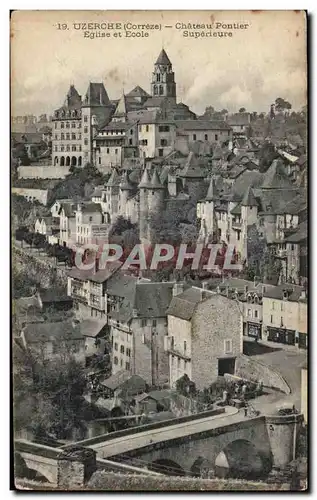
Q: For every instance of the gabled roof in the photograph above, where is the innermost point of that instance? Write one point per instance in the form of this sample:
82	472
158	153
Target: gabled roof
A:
299	235
138	92
236	210
276	177
183	306
249	199
73	99
163	59
96	95
202	125
92	327
48	332
91	207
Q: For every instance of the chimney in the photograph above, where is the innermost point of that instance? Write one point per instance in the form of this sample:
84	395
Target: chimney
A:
178	288
205	285
75	466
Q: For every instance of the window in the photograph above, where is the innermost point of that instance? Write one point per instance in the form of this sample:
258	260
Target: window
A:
228	346
161	90
86	142
68	147
73	125
249	313
178	362
154	322
271	318
206	137
282	323
158	77
73	148
115	151
62	124
79	149
255	314
74	137
122	349
62	147
163	142
56	149
108	150
130	142
143	322
79	137
216	137
67	125
85	119
281	306
85	130
238	235
155	90
63	137
128	352
55	125
67	137
127	366
185	345
99	160
131	132
292	248
115	360
194	137
164	128
56	137
161	152
121	362
146	128
115	346
185	366
273	306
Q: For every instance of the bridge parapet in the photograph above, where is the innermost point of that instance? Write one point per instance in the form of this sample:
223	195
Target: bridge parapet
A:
282	432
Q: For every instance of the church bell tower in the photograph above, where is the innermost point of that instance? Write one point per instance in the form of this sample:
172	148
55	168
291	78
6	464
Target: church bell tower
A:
163	78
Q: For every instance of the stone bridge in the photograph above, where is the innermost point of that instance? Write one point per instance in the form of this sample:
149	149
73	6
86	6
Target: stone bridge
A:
222	440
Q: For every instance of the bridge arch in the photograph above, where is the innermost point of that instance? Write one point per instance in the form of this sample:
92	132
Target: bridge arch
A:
23	470
167	467
201	467
241	459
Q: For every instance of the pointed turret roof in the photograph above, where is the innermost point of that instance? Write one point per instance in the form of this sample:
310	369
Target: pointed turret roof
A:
276	178
249	198
125	184
192	168
114	179
73	99
121	109
163	58
212	191
155	181
145	180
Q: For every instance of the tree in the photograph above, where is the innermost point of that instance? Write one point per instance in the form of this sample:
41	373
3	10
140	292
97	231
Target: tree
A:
267	154
224	112
242	110
185	386
281	105
256	247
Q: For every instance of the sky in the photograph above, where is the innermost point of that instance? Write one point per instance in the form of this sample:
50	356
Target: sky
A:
251	69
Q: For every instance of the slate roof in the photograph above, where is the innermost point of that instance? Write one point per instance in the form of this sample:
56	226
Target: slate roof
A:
155	181
183	306
54	295
236	210
163	59
125	184
138	92
248	199
192	168
202	125
46	332
145	180
113	179
212	190
276	177
127	383
69	209
96	95
239	119
121	285
299	235
92	327
91	207
152	299
277	292
103	275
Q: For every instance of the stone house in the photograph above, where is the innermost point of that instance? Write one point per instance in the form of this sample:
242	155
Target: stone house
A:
204	336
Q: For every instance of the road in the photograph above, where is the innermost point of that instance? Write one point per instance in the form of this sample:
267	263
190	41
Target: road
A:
287	361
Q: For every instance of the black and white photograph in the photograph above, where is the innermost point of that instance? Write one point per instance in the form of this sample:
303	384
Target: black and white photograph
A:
159	250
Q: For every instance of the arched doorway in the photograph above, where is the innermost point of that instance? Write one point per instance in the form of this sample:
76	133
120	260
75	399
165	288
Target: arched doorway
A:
74	161
62	161
167	467
241	459
67	161
56	160
79	161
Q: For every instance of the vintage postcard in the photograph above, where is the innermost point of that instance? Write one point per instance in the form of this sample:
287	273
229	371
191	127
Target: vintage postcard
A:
159	250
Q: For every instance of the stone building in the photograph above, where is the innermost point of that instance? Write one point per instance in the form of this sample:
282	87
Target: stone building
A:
204	336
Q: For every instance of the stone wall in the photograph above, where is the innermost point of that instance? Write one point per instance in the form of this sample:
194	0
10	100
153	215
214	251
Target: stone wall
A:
251	369
42	172
41	195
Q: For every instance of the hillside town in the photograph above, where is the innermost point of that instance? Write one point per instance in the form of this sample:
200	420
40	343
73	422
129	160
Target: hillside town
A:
104	349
